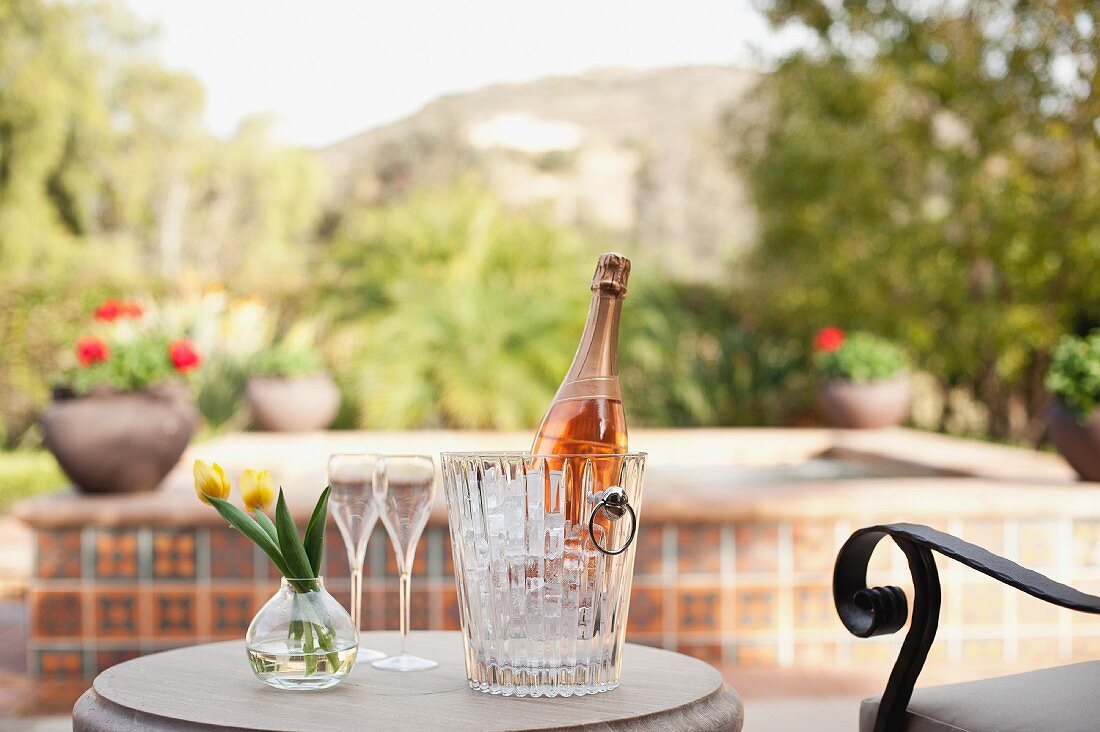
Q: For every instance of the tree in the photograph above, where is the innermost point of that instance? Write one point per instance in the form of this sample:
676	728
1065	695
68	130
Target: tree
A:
110	184
451	311
931	172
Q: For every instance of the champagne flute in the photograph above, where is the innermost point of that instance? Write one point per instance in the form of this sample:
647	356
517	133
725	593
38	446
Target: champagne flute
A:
351	477
404	489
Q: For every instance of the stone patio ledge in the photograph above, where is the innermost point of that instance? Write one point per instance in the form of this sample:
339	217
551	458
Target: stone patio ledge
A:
692	475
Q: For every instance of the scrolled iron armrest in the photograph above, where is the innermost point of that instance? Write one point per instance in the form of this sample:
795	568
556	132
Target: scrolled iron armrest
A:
869	611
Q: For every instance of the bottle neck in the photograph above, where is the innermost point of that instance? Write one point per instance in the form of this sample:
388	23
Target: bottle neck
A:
595	370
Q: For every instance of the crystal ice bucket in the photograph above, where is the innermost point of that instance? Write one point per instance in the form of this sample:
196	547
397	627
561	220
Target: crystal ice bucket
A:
544	557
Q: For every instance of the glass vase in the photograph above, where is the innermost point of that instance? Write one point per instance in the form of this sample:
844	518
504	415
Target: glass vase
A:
302	638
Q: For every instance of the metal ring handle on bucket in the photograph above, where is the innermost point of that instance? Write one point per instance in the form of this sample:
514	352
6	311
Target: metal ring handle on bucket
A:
617	499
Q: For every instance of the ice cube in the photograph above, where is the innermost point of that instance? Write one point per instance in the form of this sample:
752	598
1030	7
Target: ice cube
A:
536	492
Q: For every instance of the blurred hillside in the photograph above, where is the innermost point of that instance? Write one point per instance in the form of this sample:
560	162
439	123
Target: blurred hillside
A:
637	154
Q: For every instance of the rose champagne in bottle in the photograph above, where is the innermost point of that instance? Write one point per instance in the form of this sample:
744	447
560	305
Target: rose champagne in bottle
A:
586	416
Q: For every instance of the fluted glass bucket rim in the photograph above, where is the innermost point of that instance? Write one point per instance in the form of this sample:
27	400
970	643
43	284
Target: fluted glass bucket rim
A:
474	455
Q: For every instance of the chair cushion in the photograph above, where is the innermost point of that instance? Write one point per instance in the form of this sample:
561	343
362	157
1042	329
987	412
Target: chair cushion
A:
1064	698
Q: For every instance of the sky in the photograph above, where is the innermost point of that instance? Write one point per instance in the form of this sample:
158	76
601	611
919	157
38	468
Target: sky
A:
329	69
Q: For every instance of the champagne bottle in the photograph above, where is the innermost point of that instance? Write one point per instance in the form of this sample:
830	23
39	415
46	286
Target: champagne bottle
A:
586	416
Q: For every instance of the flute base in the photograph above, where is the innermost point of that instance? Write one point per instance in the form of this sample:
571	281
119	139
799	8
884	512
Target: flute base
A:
404	662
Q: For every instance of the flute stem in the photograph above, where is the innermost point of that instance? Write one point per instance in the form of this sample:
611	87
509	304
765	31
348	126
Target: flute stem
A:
357	594
404	609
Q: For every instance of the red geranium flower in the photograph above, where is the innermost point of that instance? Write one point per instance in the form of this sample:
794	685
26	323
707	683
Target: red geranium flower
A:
184	356
828	339
132	309
92	349
109	311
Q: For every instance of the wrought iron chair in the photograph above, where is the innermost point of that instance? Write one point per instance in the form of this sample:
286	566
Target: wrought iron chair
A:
1060	698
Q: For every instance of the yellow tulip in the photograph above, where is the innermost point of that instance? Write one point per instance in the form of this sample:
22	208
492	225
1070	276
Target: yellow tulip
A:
257	489
210	481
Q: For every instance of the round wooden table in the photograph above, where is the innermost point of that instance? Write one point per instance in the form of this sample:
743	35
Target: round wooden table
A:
211	686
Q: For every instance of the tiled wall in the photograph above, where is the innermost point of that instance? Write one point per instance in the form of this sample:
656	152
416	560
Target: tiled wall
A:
748	593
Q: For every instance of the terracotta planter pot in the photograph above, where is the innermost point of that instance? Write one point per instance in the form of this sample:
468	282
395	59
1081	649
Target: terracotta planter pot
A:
1079	443
119	442
297	404
866	406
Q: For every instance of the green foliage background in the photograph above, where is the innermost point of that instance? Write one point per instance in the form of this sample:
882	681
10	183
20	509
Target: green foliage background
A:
931	172
1075	373
861	358
923	175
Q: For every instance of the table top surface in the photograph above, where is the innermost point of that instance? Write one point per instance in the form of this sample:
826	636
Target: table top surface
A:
212	685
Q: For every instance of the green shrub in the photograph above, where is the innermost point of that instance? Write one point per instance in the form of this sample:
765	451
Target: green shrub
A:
687	357
287	361
27	473
1074	374
450	310
861	357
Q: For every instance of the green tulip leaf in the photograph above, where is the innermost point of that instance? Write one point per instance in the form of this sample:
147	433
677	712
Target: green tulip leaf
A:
290	543
315	532
265	523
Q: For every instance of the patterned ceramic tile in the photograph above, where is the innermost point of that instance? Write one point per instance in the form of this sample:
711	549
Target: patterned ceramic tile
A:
1086	543
982	602
336	556
56	614
882	558
116	613
983	651
657	640
174	555
1038	544
646	609
379	611
452	619
175	613
448	556
649	556
879	650
1039	651
756	654
418	611
755	609
699	609
56	664
231	611
697	549
58	554
940	654
757	547
231	555
420	561
814	654
1031	611
1086	649
272	573
814	608
986	534
814	546
711	652
116	554
104	659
